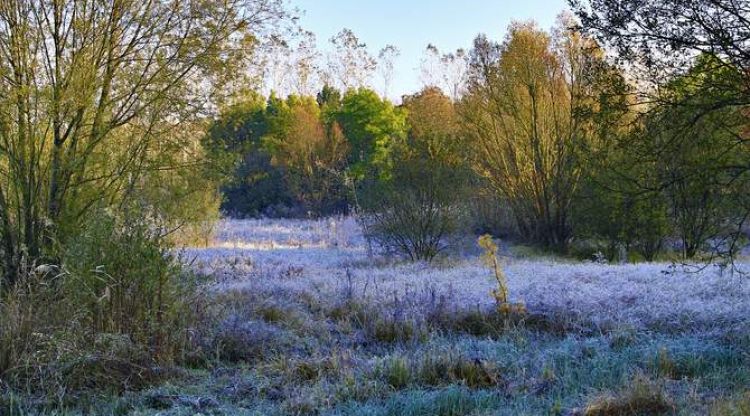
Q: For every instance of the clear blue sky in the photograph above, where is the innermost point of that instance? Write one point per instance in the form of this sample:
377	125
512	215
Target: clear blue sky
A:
412	24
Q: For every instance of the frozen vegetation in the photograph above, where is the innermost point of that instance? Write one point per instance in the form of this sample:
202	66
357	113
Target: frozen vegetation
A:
309	323
328	258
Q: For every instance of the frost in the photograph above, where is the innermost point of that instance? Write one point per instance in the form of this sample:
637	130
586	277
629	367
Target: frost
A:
327	259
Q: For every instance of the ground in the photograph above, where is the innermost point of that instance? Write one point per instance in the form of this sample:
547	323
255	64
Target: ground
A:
310	323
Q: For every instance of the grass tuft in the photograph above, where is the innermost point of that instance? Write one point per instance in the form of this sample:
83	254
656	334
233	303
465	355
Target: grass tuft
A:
642	397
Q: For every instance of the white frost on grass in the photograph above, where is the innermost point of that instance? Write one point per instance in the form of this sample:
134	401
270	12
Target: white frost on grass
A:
281	234
327	259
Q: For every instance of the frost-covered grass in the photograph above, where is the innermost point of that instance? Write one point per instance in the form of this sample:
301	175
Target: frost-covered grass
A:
262	256
305	322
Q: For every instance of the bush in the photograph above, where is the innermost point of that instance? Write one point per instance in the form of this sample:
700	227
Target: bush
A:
414	202
119	272
416	212
112	317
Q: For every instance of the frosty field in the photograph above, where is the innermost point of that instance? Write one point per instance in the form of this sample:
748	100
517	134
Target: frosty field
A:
309	323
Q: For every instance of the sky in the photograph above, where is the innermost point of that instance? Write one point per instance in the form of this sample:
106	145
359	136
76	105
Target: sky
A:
411	25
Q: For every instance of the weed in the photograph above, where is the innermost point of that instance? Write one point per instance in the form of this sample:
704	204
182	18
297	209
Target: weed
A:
500	293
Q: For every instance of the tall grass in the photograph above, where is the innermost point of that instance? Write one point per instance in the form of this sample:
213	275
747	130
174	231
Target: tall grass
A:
114	313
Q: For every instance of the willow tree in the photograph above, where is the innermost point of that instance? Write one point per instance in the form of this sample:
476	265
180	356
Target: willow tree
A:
94	93
534	102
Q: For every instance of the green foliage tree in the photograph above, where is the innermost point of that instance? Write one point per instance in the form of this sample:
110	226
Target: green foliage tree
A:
691	60
678	173
89	95
703	158
371	125
418	207
251	183
282	156
312	154
612	208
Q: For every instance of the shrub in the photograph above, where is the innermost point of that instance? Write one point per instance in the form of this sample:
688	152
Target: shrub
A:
119	272
113	317
416	212
414	203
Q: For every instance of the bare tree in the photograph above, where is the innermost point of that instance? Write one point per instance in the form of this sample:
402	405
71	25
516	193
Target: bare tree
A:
448	71
429	67
386	62
306	64
349	65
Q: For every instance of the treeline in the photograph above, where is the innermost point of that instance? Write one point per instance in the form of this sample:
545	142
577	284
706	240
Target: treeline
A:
549	142
294	155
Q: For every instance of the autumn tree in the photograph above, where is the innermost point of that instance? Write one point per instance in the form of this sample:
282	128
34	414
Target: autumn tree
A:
531	107
418	207
312	154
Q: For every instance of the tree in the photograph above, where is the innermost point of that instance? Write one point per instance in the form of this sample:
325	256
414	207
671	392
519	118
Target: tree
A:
386	61
371	125
312	154
704	176
449	71
668	35
350	65
288	63
90	91
418	206
612	206
251	183
533	103
691	60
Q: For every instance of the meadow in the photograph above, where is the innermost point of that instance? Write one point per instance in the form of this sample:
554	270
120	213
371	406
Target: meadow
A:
603	155
307	322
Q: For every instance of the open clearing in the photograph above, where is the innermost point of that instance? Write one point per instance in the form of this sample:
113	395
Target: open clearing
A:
311	324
